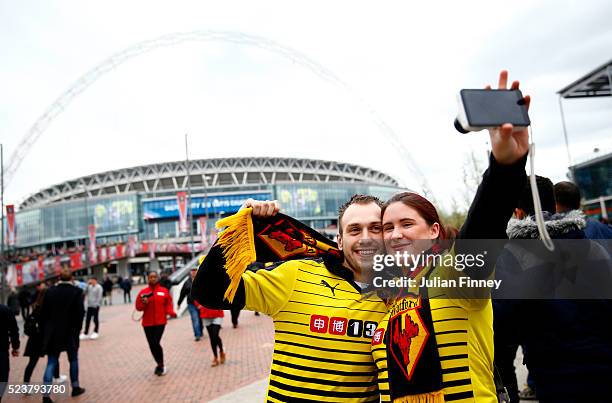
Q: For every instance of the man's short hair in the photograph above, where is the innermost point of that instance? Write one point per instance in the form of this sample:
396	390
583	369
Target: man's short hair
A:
547	196
567	195
65	274
356	199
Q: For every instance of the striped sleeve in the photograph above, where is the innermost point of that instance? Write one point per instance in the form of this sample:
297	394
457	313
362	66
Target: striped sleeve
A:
268	290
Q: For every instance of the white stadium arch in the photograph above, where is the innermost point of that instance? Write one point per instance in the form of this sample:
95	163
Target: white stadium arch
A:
80	85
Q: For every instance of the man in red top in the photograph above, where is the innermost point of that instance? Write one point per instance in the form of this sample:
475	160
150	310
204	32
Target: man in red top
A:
156	303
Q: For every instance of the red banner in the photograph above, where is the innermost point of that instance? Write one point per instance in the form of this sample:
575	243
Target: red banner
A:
10	220
75	261
92	243
181	198
120	251
131	246
102	257
19	270
41	268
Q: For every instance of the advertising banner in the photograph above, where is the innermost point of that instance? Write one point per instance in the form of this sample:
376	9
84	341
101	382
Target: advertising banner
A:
131	246
19	272
10	220
181	198
41	267
75	261
92	243
152	247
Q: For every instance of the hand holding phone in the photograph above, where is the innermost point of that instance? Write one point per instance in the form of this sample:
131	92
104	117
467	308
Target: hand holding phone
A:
488	109
504	113
145	297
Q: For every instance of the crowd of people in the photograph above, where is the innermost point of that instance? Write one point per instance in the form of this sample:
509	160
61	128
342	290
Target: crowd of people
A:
338	339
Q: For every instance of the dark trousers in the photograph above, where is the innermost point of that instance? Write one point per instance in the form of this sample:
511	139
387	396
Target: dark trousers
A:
25	311
127	296
4	370
215	340
27	375
92	312
235	314
154	335
505	353
53	363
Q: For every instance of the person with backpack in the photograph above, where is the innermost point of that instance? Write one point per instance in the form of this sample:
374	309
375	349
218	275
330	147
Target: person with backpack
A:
32	328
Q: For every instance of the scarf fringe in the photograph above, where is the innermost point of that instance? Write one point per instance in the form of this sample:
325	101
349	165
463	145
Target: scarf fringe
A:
238	244
433	397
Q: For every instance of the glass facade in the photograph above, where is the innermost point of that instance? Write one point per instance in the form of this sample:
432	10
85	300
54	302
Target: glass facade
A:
595	179
320	201
316	204
67	221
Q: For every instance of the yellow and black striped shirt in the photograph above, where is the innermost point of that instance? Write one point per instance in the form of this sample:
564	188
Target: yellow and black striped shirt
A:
323	330
463	330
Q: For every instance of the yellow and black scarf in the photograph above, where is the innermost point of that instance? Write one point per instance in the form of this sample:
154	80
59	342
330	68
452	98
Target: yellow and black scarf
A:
246	239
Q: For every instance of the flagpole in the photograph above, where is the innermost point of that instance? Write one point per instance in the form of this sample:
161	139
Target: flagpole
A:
189	211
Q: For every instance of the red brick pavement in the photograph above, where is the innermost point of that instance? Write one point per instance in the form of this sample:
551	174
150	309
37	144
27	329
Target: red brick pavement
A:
118	366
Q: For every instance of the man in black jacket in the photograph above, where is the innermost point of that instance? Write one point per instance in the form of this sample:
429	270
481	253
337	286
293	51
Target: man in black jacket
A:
567	343
9	332
61	317
194	312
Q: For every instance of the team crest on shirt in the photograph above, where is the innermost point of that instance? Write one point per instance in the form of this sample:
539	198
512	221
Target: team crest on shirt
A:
286	240
407	334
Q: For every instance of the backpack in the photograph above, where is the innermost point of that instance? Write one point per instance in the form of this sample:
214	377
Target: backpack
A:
30	326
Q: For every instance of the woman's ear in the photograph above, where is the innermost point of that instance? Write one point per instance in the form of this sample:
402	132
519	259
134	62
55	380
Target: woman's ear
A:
434	230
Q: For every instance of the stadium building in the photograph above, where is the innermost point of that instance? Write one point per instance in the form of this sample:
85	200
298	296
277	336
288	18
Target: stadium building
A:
142	212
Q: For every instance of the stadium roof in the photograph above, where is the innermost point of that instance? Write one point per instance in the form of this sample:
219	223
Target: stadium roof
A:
211	174
597	83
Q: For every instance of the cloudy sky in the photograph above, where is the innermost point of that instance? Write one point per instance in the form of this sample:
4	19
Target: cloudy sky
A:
399	63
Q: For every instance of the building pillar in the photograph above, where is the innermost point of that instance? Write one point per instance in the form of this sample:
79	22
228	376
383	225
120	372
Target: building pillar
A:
154	265
123	268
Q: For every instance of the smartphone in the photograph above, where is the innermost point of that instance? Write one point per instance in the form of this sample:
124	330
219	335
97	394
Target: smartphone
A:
483	109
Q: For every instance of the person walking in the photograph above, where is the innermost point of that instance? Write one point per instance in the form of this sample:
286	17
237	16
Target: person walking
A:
213	319
165	281
235	312
62	317
126	286
32	327
9	336
93	295
194	312
107	286
156	304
